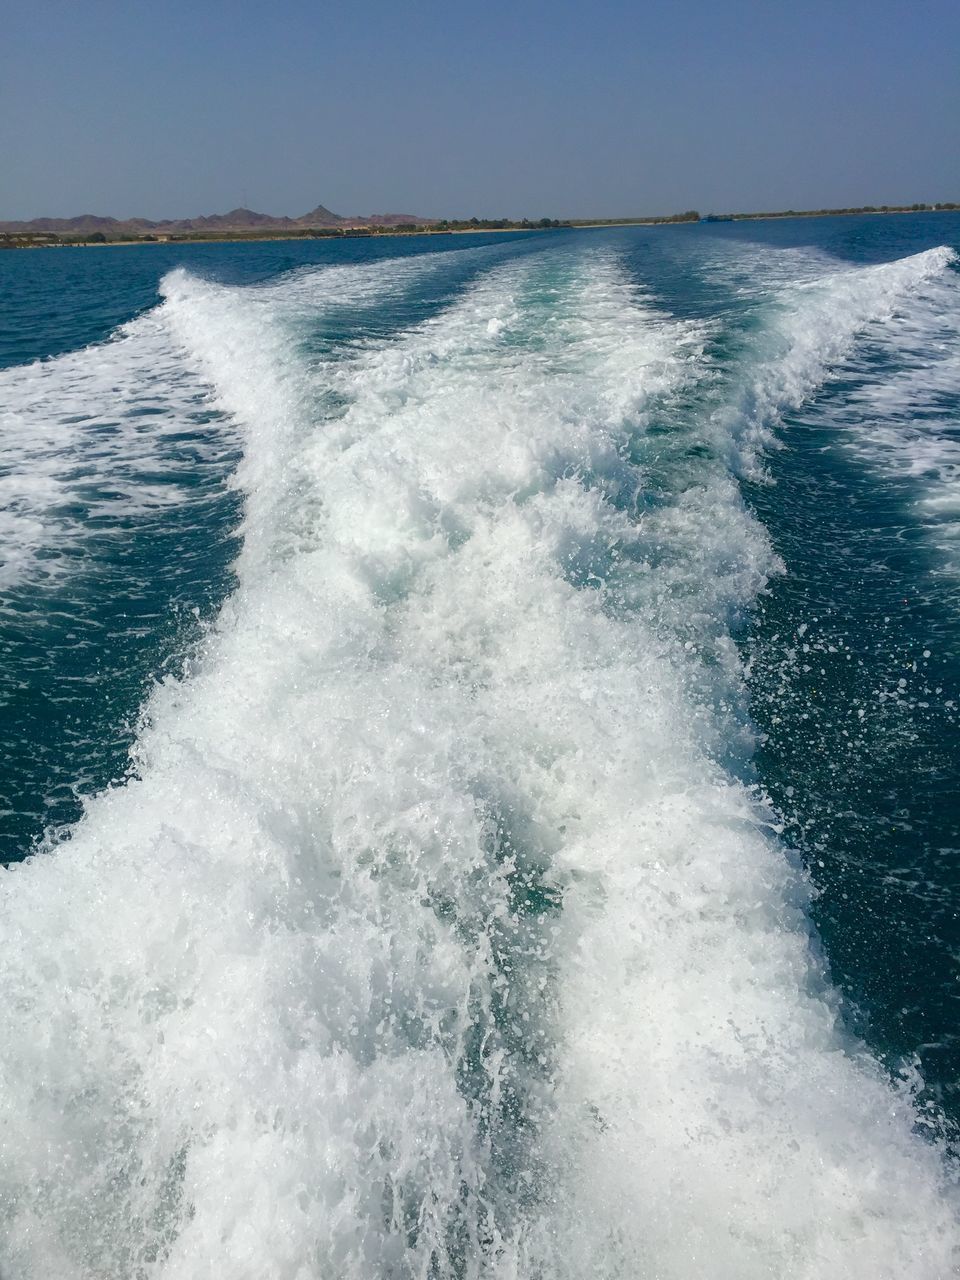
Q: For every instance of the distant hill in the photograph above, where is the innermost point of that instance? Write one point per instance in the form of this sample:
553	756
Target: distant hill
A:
318	219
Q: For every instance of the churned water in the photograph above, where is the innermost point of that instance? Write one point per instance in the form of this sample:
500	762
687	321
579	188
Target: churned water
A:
478	765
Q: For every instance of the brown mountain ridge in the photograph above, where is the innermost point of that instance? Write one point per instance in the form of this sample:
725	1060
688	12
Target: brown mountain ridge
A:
317	219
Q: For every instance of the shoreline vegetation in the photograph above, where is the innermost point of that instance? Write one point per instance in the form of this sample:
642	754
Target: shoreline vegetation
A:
24	238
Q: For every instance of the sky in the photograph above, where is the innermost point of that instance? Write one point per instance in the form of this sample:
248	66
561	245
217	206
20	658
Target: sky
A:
602	108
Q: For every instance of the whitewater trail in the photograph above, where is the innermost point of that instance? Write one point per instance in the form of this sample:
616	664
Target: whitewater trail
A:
888	336
95	439
433	937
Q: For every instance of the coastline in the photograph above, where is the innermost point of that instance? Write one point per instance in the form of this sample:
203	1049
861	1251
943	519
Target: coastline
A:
274	237
266	238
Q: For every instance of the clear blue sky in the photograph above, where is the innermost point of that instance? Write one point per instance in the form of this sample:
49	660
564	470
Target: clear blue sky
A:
180	107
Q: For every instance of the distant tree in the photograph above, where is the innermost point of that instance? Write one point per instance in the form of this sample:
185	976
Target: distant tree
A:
97	238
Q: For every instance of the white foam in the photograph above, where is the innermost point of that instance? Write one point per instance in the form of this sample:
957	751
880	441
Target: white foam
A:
811	328
901	417
751	269
95	439
121	431
892	333
433	940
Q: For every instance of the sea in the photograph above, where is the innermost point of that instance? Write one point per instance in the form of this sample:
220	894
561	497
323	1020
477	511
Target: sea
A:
479	756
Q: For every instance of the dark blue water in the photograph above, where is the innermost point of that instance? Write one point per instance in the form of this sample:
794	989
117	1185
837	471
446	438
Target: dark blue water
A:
806	379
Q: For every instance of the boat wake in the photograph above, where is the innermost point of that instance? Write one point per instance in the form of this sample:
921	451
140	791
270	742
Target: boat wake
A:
436	933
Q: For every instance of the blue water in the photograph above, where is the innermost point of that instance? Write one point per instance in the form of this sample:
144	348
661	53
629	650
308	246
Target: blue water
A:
479	756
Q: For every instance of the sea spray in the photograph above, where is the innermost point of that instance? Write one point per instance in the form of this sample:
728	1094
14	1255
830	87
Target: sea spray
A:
432	937
810	328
